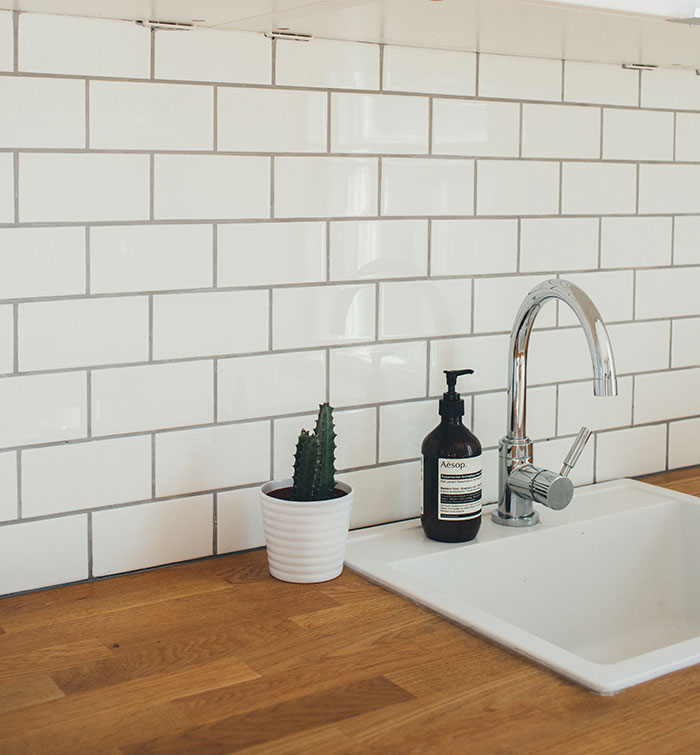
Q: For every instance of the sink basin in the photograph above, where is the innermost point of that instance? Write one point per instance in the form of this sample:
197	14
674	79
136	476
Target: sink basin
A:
605	592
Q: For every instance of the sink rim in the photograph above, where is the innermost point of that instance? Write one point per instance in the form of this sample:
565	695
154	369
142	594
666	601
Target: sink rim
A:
375	560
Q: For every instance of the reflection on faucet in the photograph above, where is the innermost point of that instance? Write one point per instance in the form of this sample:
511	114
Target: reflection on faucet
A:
520	483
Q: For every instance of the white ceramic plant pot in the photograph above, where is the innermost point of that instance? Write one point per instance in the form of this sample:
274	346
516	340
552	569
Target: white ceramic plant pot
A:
305	539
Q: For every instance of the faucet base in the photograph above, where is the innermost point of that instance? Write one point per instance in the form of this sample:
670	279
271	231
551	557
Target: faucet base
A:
515	521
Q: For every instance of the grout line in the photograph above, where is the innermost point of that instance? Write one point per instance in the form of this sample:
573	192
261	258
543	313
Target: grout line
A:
639	89
668	444
518	243
273	63
381	67
88	403
270	319
429	249
90	545
150	327
327	374
430	125
378	415
380	180
560	188
675	135
477	66
327	255
152	57
602	133
329	121
272	188
377	310
600	245
15	186
215	390
15	338
521	113
152	186
153	465
636	191
215	119
272	450
427	366
215	255
15	41
475	189
215	524
88	268
563	79
18	461
87	113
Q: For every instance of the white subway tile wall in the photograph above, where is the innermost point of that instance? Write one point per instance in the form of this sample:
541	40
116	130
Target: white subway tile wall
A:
204	235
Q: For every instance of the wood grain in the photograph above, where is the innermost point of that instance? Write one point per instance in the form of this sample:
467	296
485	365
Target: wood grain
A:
215	656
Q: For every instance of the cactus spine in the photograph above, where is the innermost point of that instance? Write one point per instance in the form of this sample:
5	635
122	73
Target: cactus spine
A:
314	460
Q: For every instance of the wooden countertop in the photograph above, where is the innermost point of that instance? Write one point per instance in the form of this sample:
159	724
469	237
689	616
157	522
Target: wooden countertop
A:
216	656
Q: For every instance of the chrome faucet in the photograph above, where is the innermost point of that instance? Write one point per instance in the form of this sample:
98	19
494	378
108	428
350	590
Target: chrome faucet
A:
520	483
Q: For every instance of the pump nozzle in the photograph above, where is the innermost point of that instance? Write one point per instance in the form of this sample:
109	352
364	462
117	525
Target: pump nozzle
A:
451	405
452	376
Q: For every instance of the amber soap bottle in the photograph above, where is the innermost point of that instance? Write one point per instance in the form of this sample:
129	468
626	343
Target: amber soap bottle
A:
451	506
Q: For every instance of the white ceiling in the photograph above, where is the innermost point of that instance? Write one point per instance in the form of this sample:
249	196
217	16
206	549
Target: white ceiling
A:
620	31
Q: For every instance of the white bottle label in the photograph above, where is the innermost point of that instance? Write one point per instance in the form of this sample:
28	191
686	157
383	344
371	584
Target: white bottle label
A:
459	488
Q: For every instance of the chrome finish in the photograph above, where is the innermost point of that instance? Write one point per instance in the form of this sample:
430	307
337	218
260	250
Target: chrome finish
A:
575	451
520	482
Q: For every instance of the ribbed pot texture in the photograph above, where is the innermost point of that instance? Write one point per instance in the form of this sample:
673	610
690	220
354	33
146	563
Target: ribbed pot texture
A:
305	539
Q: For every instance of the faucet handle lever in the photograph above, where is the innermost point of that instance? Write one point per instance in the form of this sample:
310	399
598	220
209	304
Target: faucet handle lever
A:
575	451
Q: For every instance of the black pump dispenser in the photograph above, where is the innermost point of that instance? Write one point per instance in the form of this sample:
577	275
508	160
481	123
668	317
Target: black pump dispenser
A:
451	505
451	403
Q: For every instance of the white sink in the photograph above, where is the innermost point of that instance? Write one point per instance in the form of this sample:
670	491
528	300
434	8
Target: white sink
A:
605	592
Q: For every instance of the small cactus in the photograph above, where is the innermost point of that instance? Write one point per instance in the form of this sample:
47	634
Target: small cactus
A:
314	460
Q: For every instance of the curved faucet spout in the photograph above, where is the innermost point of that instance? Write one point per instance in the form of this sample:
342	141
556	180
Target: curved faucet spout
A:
604	379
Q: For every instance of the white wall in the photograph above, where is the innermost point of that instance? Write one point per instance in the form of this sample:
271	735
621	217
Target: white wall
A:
202	239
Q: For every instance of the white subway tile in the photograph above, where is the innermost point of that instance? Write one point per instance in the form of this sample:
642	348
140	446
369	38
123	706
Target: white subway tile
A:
83	46
132	399
688	137
127	258
517	78
7	338
558	244
474	246
602	83
136	115
415	309
675	90
263	254
136	537
402	428
7	43
640	346
325	186
204	324
369	249
377	372
686	240
509	187
637	135
79	333
38	554
45	113
327	63
480	129
579	406
211	186
558	355
491	413
486	355
8	486
213	457
497	300
660	396
41	262
85	475
627	453
385	494
416	69
249	120
427	187
669	188
43	408
635	242
379	123
270	384
561	131
671	292
683	443
551	453
322	315
83	187
239	520
598	188
7	188
611	292
356	440
685	348
214	55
